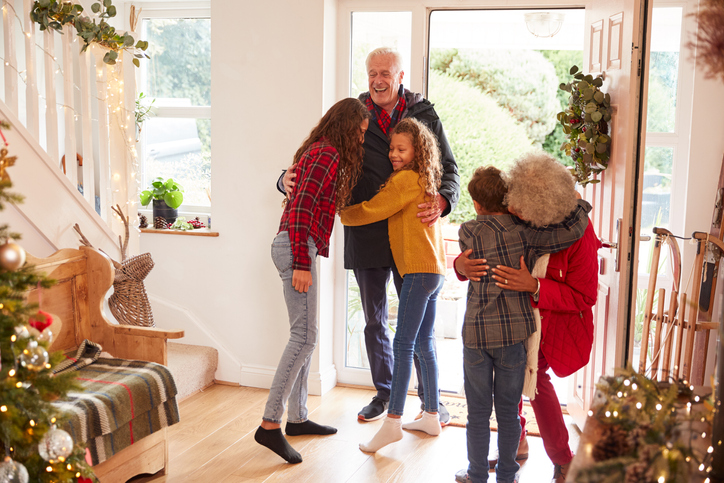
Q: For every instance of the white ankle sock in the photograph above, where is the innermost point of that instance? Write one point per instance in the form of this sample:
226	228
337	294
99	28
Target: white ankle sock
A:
429	423
390	432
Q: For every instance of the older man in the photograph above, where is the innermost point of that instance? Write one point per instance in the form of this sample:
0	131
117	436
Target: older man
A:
367	248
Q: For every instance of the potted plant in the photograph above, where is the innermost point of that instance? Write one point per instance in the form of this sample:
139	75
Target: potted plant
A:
167	196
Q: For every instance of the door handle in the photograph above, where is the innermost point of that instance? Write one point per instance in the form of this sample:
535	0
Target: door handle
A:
608	244
614	245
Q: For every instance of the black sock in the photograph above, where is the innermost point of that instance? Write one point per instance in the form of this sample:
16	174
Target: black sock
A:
275	441
308	427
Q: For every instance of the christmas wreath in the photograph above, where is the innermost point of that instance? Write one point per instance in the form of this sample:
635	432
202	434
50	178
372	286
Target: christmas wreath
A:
585	123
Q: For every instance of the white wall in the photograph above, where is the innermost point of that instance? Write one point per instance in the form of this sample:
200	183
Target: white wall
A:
268	90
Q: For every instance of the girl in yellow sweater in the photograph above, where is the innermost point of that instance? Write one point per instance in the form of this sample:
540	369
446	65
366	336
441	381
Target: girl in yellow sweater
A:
418	253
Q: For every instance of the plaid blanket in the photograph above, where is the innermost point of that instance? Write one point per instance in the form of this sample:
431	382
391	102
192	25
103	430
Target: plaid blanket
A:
123	401
88	352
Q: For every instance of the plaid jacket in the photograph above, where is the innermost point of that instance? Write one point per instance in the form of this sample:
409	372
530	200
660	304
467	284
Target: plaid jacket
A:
310	212
496	317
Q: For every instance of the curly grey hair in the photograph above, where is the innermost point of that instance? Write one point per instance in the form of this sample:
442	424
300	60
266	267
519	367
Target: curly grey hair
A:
540	189
397	58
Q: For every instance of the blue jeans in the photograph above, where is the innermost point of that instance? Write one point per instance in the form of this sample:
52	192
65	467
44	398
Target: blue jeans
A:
290	380
493	376
415	333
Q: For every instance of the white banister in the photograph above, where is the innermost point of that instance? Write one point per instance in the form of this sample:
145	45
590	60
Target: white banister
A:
104	136
31	78
71	164
86	78
11	63
51	109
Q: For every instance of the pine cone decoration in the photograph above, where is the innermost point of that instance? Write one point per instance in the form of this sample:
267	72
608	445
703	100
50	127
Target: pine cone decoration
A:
160	223
637	436
613	443
142	221
637	473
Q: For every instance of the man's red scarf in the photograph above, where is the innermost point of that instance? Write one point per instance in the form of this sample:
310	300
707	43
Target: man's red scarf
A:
384	120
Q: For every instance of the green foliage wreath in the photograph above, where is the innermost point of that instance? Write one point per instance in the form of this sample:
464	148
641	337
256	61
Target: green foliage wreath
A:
585	123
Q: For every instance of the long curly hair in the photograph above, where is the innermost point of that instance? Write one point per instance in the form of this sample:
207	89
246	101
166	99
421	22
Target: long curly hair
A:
426	161
540	189
340	125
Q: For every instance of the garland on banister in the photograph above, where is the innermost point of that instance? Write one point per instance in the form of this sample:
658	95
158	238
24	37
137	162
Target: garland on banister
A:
651	432
54	14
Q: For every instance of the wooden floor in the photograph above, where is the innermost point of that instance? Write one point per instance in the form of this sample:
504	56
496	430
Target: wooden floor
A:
214	442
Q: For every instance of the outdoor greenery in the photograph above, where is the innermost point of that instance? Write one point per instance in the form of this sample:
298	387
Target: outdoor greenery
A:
524	82
480	132
54	14
562	61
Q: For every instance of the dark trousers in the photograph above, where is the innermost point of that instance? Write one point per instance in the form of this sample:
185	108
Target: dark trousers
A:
372	284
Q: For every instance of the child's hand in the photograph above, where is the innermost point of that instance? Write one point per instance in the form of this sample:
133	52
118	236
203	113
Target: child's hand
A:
301	280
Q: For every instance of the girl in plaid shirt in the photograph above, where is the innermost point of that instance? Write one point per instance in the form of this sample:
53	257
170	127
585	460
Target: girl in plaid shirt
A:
329	163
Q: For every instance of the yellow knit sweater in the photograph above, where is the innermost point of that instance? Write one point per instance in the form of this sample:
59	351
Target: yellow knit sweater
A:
416	247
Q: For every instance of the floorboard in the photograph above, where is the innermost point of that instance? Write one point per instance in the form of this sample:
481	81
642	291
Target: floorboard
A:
214	442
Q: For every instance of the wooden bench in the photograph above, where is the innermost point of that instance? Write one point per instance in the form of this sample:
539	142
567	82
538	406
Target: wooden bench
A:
83	277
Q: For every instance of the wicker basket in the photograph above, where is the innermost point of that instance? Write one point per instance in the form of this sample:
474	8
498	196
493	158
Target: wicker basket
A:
129	302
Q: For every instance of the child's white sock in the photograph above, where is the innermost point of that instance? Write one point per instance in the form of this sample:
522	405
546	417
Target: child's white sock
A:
390	432
429	423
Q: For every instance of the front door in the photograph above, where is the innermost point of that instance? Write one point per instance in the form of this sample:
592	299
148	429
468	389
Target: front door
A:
615	46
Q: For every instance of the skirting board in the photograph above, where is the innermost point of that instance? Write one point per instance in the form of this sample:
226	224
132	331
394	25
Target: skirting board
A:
262	376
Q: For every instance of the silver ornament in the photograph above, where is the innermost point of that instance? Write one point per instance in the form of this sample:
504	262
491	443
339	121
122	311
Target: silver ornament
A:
45	336
22	331
34	356
13	472
55	444
12	256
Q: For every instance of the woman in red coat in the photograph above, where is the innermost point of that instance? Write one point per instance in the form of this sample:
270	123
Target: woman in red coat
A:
565	297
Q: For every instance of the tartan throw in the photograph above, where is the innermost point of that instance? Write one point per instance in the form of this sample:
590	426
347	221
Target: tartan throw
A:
122	402
87	354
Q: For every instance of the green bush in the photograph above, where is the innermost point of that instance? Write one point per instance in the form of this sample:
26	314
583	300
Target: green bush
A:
522	81
479	131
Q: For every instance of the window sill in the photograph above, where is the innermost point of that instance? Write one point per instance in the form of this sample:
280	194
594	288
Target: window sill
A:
199	232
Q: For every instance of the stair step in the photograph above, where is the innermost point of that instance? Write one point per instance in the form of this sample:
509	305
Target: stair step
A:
193	367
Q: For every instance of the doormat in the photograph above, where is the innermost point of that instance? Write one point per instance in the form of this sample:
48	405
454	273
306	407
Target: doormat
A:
458	409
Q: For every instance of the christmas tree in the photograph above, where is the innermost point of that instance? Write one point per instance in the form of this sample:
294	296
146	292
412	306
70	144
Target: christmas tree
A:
32	445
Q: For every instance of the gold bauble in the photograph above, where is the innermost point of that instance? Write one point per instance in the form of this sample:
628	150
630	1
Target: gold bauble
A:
12	256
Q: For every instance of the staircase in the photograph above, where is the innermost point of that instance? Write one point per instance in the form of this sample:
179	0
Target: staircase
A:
72	133
193	367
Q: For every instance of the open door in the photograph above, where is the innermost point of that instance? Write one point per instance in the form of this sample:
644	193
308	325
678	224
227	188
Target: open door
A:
614	45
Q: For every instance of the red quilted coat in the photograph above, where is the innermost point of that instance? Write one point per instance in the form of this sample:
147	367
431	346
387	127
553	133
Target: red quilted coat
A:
567	294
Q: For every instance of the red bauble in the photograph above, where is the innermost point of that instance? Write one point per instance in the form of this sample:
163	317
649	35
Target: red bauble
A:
41	321
83	479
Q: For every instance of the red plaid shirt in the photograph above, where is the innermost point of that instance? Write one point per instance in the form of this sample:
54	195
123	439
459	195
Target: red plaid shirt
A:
310	212
381	117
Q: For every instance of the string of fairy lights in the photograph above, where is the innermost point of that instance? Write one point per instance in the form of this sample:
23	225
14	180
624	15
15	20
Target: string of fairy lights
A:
114	99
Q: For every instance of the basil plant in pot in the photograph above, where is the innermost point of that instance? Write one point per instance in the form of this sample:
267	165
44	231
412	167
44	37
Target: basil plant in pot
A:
167	196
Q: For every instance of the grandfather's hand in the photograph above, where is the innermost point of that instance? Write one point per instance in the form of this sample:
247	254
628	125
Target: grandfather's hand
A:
513	279
430	214
301	280
472	268
288	181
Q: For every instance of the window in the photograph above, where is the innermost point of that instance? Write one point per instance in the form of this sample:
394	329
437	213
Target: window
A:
176	80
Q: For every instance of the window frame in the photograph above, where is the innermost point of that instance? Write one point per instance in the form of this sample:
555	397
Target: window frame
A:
154	10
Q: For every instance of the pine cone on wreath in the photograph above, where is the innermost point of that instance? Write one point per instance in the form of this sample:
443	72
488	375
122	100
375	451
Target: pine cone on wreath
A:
613	443
142	221
160	223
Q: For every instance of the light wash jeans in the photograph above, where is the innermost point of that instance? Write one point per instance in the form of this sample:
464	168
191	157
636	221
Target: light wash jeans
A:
290	380
493	376
415	333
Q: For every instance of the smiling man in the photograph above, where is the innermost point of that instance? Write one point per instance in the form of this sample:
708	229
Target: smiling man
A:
367	248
